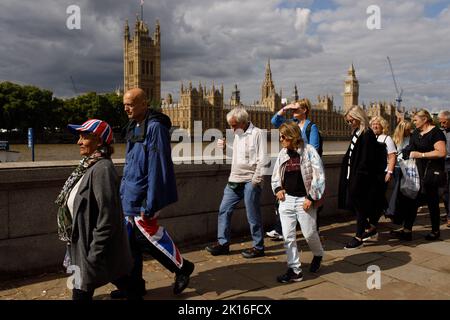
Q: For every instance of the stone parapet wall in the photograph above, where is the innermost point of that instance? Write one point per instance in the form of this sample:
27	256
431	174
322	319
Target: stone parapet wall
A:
28	239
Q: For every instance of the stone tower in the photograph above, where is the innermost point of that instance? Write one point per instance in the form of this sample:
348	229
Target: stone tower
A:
351	89
235	100
142	60
269	97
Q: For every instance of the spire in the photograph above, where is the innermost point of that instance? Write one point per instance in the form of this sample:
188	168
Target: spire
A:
296	93
268	71
127	30
351	70
157	34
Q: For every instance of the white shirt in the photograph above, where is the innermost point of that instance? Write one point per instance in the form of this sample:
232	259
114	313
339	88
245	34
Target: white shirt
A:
72	195
390	145
249	152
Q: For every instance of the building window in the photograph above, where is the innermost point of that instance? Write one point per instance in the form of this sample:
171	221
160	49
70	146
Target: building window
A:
130	67
151	67
143	67
146	67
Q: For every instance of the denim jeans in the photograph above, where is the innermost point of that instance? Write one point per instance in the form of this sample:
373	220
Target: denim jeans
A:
231	198
291	211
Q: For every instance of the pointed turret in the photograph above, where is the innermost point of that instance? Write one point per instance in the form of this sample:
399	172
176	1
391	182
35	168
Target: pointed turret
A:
127	31
157	34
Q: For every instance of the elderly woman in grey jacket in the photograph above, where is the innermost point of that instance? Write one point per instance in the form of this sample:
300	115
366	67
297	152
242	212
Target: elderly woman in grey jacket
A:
90	218
298	181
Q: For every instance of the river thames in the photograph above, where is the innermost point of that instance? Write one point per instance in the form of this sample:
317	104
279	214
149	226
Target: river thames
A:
53	152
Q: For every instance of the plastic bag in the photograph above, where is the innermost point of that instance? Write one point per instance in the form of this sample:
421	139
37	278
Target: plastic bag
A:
410	181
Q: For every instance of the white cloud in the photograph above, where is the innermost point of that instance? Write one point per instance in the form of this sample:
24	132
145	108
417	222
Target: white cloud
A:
302	21
229	41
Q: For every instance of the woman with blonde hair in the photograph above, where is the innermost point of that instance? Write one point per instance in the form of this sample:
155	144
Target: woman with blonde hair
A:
380	128
357	190
427	146
402	134
298	181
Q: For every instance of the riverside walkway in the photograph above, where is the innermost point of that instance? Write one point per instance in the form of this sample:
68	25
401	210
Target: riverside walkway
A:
409	270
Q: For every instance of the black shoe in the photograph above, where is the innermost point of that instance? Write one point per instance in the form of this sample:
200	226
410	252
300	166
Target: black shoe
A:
315	264
182	278
253	253
432	236
290	276
121	294
401	234
353	244
217	249
370	235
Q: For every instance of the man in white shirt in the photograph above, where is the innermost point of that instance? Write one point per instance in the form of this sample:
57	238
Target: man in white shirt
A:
245	182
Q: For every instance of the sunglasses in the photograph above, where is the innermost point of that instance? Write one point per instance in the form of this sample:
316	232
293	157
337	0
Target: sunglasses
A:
283	137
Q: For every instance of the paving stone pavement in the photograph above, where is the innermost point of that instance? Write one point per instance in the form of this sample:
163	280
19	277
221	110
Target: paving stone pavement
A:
416	270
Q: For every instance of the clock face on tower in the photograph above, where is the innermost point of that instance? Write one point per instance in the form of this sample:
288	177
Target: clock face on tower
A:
347	88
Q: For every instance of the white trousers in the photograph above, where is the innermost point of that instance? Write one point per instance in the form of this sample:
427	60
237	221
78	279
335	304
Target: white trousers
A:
291	211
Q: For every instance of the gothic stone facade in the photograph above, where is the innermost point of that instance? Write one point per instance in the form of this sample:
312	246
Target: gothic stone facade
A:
142	68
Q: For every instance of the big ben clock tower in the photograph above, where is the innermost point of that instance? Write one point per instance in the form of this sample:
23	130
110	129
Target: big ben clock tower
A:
351	89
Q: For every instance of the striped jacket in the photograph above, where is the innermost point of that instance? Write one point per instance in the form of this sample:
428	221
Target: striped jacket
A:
311	167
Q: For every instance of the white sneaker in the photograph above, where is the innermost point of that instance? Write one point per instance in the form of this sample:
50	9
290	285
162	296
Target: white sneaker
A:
274	235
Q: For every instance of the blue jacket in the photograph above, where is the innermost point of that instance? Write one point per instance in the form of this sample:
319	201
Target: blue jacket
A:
148	182
313	140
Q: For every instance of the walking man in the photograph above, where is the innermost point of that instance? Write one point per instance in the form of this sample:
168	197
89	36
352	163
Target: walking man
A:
245	182
148	185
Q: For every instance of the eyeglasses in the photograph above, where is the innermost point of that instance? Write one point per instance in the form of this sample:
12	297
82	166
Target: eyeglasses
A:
282	137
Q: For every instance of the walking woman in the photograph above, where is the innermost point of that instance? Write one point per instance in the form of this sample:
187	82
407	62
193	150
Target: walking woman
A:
427	146
298	181
357	183
401	138
90	218
309	133
380	128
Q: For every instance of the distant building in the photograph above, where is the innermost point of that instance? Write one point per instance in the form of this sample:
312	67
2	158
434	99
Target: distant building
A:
142	68
142	60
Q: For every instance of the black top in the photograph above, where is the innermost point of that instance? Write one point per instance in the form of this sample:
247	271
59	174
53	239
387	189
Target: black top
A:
425	143
293	181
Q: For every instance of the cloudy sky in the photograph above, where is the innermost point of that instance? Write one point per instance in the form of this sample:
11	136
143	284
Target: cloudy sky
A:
310	42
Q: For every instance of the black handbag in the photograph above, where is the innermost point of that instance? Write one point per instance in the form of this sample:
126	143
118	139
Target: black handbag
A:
434	177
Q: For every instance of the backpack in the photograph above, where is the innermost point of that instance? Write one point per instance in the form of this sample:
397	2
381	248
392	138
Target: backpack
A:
308	133
381	156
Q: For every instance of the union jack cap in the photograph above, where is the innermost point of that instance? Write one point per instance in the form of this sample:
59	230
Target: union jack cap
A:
98	127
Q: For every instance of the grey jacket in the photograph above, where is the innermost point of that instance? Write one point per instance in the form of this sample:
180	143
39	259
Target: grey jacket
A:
99	244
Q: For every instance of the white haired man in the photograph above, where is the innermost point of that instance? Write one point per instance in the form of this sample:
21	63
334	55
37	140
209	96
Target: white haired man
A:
444	120
244	182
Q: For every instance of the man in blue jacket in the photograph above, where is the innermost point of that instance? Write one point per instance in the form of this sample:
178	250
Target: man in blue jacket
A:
148	185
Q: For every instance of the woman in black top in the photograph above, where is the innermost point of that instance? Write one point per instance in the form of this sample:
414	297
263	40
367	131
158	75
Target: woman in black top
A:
357	183
427	146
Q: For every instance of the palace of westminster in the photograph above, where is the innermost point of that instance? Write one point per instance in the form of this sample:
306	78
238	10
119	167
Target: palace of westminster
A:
142	68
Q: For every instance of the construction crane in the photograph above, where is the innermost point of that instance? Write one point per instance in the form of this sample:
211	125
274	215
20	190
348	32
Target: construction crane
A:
399	93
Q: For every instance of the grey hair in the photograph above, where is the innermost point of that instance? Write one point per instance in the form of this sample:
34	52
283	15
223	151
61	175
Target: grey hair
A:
445	114
239	113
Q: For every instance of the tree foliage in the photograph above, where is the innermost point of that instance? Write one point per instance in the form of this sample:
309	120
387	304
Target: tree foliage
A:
23	107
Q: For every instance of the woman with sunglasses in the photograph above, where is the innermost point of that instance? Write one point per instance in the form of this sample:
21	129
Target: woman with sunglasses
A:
357	187
298	181
300	111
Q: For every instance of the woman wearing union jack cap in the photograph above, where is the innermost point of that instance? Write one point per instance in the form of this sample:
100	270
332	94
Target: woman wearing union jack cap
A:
90	218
